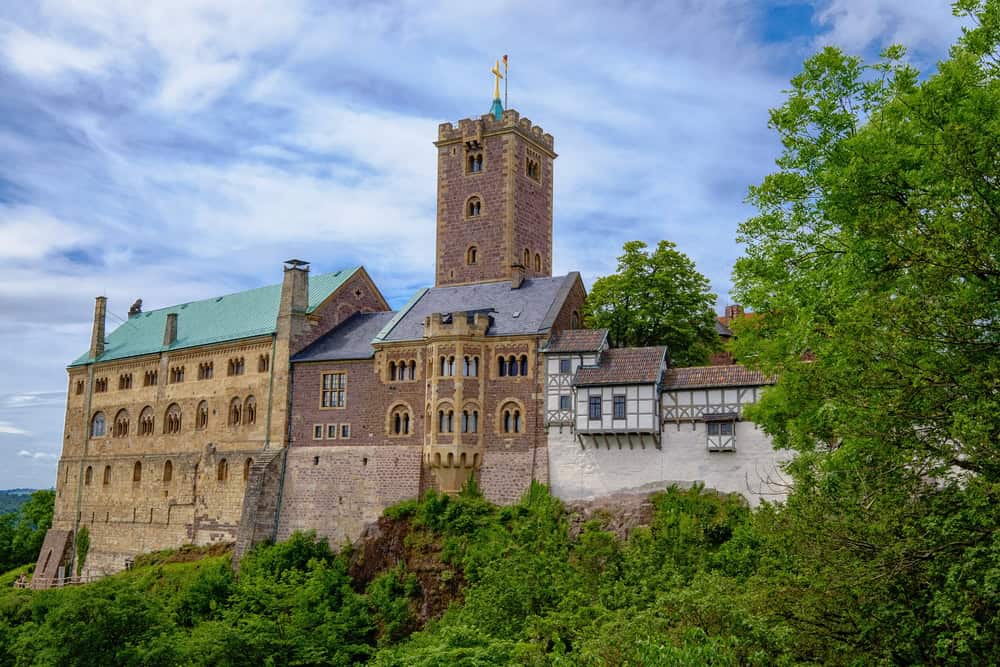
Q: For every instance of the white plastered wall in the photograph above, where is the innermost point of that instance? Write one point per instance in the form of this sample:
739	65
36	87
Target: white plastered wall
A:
752	470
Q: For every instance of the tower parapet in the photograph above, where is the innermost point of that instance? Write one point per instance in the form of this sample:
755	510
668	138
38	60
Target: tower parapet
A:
476	127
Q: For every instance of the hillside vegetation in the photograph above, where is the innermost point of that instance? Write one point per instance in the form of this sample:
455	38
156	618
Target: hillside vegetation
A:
706	582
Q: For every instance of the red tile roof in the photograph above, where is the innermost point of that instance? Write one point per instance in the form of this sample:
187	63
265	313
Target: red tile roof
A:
577	340
714	376
627	365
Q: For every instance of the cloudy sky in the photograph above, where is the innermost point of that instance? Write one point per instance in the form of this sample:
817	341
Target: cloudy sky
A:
174	150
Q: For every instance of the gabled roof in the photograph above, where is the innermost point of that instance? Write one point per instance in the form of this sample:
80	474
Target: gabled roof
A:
577	340
351	339
698	377
532	308
722	329
216	320
626	365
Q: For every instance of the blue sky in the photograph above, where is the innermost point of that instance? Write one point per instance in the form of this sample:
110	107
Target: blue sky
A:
176	150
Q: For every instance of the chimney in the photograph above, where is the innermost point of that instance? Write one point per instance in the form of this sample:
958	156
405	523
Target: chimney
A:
97	336
295	288
170	330
292	325
733	311
516	276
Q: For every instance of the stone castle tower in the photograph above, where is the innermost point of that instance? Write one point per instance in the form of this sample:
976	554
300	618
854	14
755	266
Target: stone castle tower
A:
494	216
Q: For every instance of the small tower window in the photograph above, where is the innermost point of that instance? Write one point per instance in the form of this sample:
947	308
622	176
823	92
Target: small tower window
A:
222	470
97	425
471	256
538	263
527	258
168	471
474	162
474	207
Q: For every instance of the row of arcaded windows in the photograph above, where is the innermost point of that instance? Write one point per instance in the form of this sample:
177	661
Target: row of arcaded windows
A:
512	366
402	370
237	366
511	419
470	366
241	411
221	472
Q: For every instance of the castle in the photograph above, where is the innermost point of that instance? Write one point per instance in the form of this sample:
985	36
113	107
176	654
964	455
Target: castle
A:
312	405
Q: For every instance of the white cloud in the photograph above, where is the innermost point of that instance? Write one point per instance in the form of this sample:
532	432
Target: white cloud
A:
47	57
6	428
38	456
29	233
856	25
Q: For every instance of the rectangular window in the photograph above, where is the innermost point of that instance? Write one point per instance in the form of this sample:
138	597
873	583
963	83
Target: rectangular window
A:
595	407
334	391
713	428
345	430
565	366
564	402
619	405
331	431
317	431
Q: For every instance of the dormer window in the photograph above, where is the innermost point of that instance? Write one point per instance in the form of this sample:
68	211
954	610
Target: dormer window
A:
474	207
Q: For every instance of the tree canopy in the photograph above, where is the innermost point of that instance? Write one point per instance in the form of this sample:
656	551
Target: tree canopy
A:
656	298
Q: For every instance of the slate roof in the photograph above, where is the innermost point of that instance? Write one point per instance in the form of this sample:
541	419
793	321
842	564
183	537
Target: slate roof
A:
577	340
626	365
722	329
216	320
351	339
714	376
532	308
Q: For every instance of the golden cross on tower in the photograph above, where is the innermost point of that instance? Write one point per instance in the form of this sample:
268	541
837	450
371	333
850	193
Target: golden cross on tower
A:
496	81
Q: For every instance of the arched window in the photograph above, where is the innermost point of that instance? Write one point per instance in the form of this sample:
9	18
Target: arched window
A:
527	258
222	470
120	429
250	411
512	365
471	255
88	476
137	472
474	164
147	421
235	411
246	469
575	320
538	263
392	370
474	207
399	420
474	368
172	421
413	370
451	366
168	471
511	420
201	421
470	421
97	425
501	367
263	363
107	475
524	365
446	421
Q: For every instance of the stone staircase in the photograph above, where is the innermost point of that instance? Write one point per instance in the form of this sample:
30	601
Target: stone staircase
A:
258	519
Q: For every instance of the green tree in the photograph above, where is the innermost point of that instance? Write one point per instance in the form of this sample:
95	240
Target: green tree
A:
656	298
22	532
874	262
876	249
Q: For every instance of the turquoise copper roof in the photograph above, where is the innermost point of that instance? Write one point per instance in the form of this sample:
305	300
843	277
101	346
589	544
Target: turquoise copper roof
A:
216	320
497	108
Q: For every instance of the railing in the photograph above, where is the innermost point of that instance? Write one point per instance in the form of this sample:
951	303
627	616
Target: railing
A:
55	582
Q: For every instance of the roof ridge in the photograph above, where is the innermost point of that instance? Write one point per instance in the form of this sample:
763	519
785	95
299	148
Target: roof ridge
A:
244	291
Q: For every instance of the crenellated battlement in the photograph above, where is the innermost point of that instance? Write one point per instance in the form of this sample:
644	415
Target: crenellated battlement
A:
473	129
